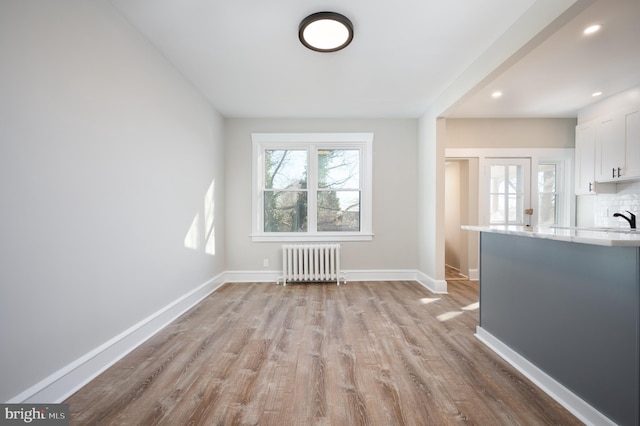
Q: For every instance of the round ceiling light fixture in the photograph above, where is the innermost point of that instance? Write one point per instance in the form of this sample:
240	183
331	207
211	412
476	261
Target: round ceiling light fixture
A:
325	31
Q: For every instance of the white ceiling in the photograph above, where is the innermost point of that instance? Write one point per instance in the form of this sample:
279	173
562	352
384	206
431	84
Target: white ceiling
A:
245	57
558	77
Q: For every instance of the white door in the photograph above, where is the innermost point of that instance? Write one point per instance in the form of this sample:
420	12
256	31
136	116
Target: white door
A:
507	191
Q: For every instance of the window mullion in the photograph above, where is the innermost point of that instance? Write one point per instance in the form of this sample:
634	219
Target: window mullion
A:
312	189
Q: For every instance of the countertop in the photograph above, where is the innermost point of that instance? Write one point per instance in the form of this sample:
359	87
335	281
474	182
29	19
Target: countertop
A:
618	237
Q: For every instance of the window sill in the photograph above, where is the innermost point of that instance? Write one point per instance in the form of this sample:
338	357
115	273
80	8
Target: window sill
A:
304	237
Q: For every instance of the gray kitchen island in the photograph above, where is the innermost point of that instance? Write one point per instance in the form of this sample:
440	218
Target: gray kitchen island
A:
563	306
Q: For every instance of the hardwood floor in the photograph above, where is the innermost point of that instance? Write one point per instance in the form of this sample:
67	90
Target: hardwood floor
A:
453	274
365	353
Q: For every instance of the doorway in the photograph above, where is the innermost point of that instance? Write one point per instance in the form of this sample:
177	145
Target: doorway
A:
537	179
461	208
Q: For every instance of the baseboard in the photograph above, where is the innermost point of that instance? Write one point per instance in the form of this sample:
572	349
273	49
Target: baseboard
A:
66	381
577	406
436	286
351	275
474	274
381	275
252	276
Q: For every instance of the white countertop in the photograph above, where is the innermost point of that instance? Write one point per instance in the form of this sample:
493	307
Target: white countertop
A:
602	237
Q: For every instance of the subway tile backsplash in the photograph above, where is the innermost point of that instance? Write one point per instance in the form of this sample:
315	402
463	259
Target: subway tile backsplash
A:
626	198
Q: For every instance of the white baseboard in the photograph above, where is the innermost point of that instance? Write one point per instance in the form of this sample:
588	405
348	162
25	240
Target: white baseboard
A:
577	406
351	275
474	274
381	275
436	286
252	276
66	381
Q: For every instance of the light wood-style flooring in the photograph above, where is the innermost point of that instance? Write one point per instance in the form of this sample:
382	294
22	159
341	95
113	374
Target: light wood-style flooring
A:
453	274
365	353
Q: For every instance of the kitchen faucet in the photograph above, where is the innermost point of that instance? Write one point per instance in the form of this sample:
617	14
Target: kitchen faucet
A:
631	219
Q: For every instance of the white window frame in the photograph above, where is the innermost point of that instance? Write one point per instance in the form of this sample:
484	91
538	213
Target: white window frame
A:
562	207
312	142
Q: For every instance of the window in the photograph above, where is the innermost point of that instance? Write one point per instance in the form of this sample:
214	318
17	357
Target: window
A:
312	186
548	196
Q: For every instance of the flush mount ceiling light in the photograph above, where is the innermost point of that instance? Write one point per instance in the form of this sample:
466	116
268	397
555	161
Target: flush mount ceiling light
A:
325	31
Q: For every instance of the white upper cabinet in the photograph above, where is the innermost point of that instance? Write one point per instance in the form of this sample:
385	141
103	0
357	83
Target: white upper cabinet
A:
609	148
632	143
618	146
585	161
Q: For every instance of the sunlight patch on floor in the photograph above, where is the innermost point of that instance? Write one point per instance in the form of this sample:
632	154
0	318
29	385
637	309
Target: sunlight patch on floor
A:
472	307
447	316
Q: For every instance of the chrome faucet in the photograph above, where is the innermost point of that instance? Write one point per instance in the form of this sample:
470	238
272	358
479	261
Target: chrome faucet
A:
631	219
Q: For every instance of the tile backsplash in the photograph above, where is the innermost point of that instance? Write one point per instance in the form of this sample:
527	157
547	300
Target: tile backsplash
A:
627	197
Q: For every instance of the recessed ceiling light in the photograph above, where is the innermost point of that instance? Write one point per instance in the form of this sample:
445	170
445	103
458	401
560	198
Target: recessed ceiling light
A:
325	31
592	29
596	94
496	94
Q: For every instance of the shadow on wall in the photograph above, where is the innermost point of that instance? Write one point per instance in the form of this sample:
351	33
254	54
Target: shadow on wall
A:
201	233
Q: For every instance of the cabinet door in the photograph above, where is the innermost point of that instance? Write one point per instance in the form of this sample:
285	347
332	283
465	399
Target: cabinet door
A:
585	159
632	144
609	149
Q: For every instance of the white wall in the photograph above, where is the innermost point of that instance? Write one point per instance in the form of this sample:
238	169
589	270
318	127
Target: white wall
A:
431	137
394	246
106	157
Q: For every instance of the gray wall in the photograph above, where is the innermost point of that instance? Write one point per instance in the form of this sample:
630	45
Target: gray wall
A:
394	245
106	157
586	335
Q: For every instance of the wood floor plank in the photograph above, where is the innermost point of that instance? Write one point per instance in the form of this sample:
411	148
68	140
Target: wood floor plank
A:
368	353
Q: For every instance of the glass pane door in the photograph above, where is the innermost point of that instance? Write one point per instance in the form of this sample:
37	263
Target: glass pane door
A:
508	191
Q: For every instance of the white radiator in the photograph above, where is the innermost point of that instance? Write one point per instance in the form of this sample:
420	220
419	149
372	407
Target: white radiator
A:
311	263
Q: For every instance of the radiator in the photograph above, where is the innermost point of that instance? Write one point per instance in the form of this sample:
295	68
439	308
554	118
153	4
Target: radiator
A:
311	263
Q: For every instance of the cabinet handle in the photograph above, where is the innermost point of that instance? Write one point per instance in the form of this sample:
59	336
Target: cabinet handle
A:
619	172
590	186
613	172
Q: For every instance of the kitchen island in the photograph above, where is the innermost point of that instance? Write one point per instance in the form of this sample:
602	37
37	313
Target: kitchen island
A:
563	306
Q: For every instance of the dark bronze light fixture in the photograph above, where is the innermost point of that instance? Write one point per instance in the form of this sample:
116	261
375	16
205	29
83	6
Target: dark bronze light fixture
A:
325	31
